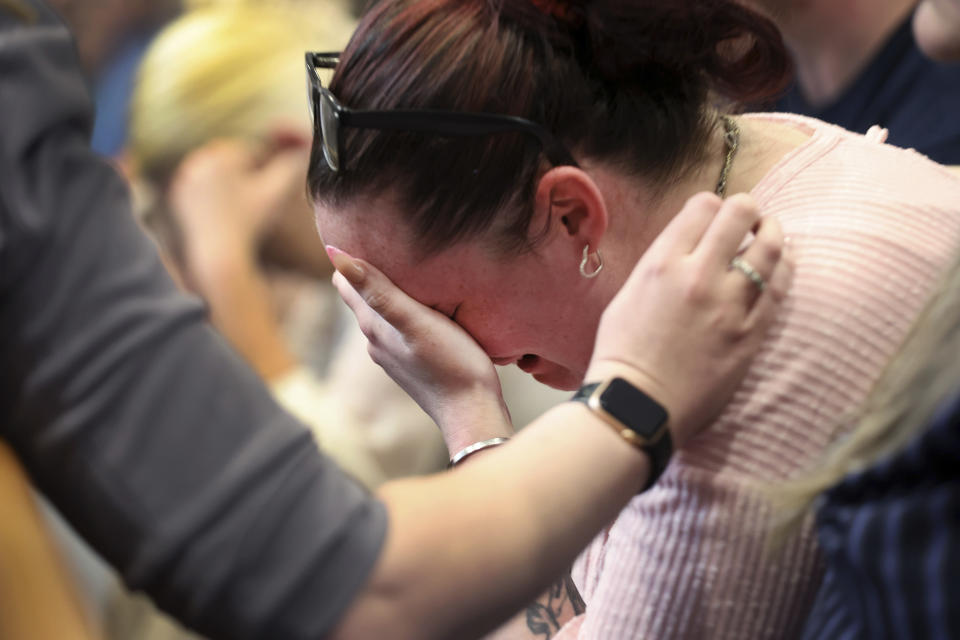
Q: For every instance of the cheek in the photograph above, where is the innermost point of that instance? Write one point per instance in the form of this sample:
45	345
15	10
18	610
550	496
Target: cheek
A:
540	327
499	332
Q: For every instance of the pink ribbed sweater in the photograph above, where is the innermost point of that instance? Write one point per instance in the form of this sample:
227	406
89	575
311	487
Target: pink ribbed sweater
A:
873	226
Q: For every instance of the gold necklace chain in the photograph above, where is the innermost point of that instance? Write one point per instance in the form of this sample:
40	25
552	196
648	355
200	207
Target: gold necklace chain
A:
731	139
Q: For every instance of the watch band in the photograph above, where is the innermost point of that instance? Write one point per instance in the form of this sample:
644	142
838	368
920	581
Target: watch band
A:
646	429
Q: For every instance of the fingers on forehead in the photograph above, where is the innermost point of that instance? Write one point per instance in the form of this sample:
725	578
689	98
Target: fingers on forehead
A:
347	292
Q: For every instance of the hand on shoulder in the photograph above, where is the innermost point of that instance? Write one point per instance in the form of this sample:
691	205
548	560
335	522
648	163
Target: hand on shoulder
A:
686	325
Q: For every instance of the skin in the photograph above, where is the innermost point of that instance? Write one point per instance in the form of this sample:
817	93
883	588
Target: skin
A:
832	40
224	201
683	329
535	309
39	597
537	303
246	231
936	25
446	535
483	292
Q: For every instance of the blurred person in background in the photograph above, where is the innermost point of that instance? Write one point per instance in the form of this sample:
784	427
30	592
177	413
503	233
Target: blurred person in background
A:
887	498
858	65
112	36
936	25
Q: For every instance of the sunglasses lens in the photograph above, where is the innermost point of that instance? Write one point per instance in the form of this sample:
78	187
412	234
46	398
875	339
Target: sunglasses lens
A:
330	129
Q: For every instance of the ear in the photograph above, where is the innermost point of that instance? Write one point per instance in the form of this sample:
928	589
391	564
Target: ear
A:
568	197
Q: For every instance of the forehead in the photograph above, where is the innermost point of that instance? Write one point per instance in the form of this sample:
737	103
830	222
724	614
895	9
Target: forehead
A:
374	231
365	228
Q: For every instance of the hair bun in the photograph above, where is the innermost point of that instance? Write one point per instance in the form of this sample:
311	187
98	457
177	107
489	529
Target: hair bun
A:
737	51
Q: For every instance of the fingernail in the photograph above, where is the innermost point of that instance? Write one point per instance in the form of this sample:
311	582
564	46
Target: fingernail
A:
346	265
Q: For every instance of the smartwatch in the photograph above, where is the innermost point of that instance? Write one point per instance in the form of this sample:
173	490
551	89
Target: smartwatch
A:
638	418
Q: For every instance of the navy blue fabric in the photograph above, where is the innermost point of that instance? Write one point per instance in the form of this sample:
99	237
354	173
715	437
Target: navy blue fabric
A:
917	99
891	540
114	88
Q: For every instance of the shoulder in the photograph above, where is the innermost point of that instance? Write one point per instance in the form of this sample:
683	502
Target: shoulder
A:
46	115
841	177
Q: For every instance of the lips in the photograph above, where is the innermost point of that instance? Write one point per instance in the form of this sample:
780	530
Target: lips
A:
527	362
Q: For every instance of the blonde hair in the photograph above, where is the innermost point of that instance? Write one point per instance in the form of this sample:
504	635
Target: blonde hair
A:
226	69
919	379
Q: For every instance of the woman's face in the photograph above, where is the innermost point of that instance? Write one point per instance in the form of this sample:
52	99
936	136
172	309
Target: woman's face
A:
936	24
533	310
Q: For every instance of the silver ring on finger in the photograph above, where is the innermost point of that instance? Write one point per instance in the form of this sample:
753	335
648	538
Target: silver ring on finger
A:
747	269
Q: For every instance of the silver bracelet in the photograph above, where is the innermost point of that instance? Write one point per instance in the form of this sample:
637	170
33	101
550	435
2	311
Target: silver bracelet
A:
473	448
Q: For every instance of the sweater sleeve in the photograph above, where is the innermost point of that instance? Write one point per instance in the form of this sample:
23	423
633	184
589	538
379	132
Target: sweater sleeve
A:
144	429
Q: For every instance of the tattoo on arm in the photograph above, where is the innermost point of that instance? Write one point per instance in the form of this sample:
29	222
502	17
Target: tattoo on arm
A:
559	604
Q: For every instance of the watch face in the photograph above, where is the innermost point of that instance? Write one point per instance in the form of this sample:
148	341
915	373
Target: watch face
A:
633	408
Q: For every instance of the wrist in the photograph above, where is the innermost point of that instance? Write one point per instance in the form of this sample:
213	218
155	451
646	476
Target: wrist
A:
618	453
477	448
634	416
650	385
213	266
474	422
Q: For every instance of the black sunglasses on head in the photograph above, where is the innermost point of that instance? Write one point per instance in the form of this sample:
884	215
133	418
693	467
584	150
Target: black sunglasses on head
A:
329	117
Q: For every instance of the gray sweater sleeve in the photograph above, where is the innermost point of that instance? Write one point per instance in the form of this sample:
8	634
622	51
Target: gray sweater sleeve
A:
158	444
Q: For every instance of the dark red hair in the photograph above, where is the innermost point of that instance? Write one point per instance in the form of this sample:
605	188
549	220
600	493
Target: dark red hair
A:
627	82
